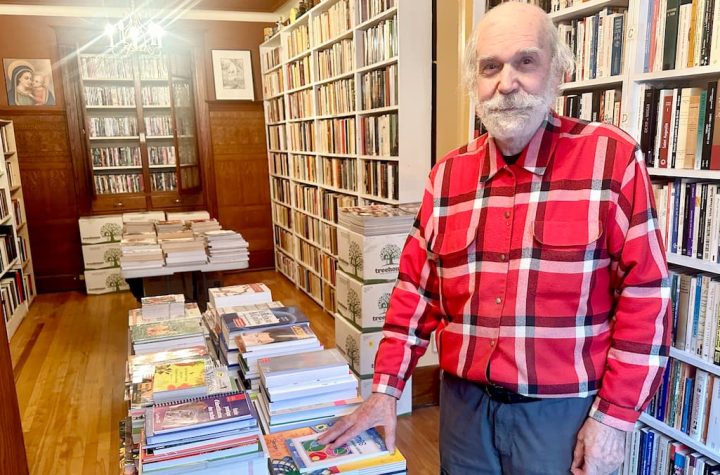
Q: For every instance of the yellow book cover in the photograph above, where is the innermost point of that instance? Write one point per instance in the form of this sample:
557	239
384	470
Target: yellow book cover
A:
181	375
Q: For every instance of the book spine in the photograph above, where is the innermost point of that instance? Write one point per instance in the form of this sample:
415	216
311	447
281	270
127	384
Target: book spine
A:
671	34
709	125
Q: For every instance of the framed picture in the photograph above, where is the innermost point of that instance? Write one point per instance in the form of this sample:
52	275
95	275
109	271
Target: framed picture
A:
29	82
233	75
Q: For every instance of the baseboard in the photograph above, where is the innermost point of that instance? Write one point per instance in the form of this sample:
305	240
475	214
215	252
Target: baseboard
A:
58	283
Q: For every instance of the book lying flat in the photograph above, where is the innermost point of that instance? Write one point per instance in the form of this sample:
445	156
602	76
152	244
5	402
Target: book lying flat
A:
310	455
233	322
182	379
292	369
200	412
259	340
165	329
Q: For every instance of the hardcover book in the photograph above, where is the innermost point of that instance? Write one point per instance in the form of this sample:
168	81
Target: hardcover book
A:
310	455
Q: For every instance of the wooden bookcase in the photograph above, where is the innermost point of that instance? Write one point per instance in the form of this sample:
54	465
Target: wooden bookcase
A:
17	277
320	125
140	132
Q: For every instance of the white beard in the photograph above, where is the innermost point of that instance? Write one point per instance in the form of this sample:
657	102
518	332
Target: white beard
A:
513	119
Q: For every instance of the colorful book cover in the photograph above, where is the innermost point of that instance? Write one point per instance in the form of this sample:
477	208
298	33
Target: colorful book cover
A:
254	340
310	455
200	412
180	375
165	329
239	321
243	289
162	299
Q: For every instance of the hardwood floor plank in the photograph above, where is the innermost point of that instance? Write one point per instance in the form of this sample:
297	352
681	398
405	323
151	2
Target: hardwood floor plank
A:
70	355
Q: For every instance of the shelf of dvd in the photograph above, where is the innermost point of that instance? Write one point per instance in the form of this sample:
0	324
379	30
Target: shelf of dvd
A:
17	277
140	128
341	130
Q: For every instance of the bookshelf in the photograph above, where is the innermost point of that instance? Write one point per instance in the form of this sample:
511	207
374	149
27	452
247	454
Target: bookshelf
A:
330	141
17	277
140	132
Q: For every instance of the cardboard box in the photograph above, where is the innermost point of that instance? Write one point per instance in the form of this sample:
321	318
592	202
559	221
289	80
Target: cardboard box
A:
187	215
357	347
404	404
100	229
143	216
103	281
363	304
370	258
101	256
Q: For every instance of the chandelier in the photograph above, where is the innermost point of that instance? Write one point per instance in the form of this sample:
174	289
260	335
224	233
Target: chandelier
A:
135	33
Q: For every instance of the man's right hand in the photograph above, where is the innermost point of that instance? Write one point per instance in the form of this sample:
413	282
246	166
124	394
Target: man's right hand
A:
379	410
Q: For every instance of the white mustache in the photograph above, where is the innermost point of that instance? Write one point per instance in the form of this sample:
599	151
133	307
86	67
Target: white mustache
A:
514	102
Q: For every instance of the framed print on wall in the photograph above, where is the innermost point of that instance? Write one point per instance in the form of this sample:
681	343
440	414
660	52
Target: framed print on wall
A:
29	82
232	70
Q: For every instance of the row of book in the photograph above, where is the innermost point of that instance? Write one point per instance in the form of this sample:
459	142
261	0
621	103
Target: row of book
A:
381	42
689	400
648	451
105	67
300	104
23	249
679	128
298	41
372	8
337	97
285	265
4	208
273	83
285	240
282	215
19	210
109	96
115	156
113	126
276	137
689	218
271	58
161	154
597	43
159	125
4	142
307	198
335	60
339	173
307	227
681	34
309	255
118	183
380	135
596	106
380	178
304	167
310	282
12	173
13	292
696	309
301	136
281	190
332	202
163	181
153	67
336	136
333	22
275	110
155	95
298	73
380	88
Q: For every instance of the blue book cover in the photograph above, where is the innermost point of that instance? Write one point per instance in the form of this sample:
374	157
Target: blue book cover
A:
662	396
696	313
617	45
677	185
687	405
647	456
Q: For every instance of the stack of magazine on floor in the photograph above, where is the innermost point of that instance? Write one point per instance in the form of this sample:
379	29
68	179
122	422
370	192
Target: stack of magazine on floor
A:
303	389
297	451
374	220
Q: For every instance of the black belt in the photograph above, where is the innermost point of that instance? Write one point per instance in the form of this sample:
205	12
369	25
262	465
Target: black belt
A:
505	396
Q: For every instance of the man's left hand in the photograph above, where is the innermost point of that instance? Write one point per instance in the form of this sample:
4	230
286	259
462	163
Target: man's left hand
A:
599	449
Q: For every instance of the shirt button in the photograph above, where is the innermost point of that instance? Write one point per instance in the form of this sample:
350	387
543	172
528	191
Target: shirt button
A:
503	257
507	214
492	342
498	300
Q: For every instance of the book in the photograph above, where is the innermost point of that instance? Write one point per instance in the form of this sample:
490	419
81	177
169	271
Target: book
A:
310	455
180	379
199	412
165	329
290	369
235	322
260	340
245	294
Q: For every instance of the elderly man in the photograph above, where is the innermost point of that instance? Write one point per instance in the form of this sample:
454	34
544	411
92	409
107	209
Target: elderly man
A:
537	257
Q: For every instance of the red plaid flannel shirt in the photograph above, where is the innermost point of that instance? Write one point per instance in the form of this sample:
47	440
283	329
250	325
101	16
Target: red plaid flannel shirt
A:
547	277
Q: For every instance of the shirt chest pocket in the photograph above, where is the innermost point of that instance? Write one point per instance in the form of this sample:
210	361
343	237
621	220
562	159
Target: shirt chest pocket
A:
567	240
455	255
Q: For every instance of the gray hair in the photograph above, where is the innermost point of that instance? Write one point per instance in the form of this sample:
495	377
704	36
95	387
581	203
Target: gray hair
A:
561	56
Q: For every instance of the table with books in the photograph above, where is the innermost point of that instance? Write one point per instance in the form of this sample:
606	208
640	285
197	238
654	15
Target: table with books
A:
244	387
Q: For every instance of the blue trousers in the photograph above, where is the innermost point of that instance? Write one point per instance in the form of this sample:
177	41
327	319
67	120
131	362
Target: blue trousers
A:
481	436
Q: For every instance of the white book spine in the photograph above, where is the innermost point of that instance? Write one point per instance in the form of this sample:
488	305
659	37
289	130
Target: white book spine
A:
713	429
699	409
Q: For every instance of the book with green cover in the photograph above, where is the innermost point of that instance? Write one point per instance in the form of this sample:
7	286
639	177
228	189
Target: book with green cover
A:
165	330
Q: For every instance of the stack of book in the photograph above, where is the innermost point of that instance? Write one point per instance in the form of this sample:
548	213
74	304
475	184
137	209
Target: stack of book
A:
139	248
184	252
212	434
163	307
199	226
165	335
298	451
243	294
226	246
376	220
302	389
172	226
139	227
191	310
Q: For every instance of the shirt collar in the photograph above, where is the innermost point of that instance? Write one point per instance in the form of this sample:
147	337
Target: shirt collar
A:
534	158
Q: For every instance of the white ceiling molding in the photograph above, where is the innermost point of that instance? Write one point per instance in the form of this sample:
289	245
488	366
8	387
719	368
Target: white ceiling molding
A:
114	12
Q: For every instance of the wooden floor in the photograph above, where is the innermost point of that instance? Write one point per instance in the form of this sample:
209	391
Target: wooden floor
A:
69	361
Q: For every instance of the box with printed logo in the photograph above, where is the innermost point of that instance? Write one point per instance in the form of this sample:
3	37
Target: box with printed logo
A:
357	347
363	304
370	258
101	256
103	281
100	229
404	404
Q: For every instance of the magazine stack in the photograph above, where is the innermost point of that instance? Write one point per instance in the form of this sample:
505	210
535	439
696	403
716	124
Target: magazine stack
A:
226	246
139	247
303	389
370	239
298	451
